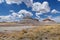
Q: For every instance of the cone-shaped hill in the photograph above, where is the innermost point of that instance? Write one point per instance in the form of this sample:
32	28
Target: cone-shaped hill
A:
29	21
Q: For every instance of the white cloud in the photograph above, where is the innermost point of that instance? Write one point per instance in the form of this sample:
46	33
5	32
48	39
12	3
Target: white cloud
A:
20	16
1	1
38	15
13	1
58	0
11	11
57	19
13	17
36	6
8	18
27	2
5	18
14	14
55	11
25	13
40	8
45	7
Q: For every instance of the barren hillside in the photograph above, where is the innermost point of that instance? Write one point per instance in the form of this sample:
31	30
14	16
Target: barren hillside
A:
29	22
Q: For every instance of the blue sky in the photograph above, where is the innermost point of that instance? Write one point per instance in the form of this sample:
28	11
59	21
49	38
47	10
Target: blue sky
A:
8	7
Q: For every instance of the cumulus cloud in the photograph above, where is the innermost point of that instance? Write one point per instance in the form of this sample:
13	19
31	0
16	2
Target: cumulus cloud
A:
5	18
25	13
55	11
21	14
8	18
45	7
15	16
27	2
36	6
41	8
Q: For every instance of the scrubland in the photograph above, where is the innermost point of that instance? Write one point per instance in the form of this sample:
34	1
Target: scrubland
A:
46	32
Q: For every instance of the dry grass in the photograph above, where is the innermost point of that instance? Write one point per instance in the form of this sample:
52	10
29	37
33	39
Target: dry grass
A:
47	32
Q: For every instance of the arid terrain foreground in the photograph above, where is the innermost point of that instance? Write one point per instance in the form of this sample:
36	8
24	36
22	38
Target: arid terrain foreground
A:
46	32
30	29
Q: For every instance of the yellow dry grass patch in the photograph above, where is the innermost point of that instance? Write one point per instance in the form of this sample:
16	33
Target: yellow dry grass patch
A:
46	32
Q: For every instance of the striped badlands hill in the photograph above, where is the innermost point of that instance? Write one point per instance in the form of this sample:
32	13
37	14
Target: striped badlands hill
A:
48	21
27	21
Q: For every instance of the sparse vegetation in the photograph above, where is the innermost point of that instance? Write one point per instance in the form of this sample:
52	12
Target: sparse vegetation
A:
48	32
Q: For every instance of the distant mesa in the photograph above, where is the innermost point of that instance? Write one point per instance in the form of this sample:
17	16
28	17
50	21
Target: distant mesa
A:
48	21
